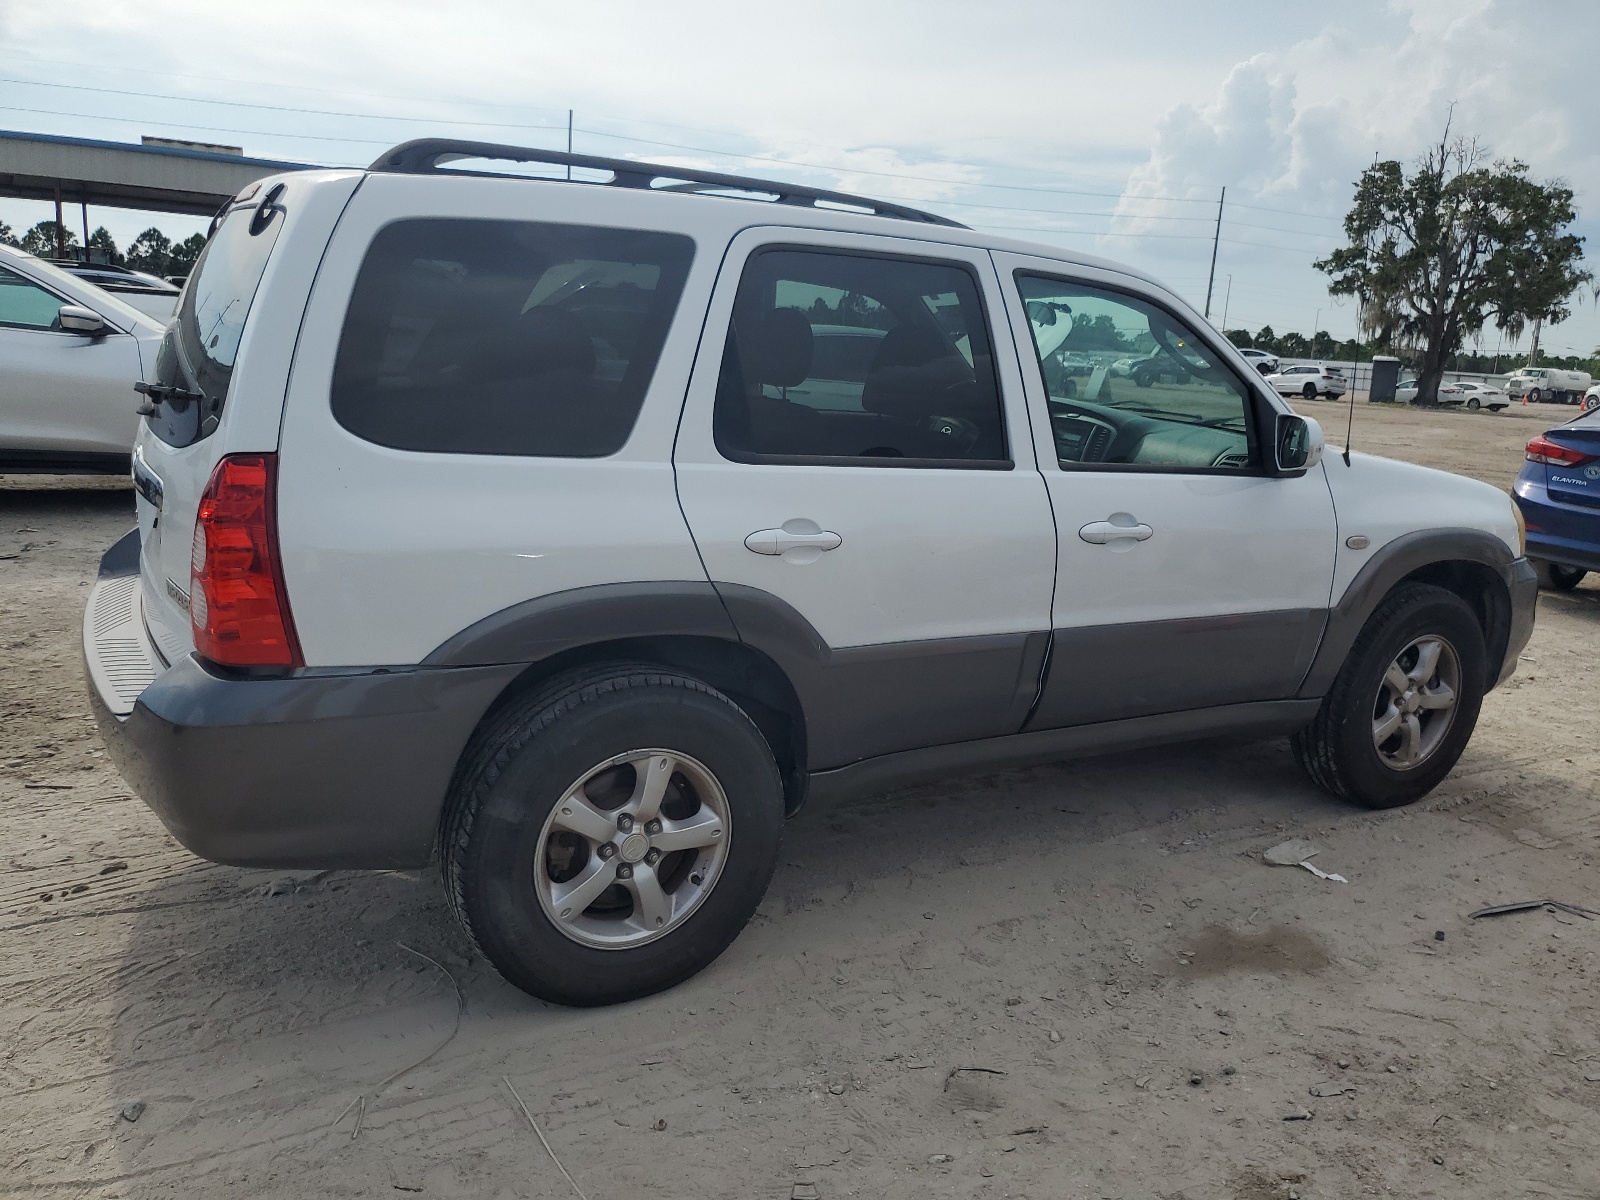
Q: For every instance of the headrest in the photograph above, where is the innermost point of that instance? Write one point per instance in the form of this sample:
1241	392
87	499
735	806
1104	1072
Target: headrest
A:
910	372
780	348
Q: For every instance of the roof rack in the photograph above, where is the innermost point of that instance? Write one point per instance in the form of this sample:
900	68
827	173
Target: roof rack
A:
425	156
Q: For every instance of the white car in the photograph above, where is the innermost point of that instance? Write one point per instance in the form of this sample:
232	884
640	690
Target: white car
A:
70	355
1477	395
153	296
1262	360
1449	394
560	533
1308	382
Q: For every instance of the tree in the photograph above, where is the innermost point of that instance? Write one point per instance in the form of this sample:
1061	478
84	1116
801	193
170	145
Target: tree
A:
149	252
1267	340
103	247
41	239
7	238
184	254
1240	338
1435	255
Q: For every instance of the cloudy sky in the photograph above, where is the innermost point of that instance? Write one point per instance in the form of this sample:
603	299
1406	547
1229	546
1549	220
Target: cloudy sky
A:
1109	128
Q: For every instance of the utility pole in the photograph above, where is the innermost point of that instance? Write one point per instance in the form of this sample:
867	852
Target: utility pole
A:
569	141
1227	298
61	230
1533	348
1216	238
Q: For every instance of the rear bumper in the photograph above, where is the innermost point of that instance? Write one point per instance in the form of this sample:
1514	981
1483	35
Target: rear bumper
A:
316	770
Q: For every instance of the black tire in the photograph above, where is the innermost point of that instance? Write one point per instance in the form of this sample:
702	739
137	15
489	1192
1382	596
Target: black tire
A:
521	763
1473	403
1143	378
1309	391
1533	396
1557	576
1337	749
1590	403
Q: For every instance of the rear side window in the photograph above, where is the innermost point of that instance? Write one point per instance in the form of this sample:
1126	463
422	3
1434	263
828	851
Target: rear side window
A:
505	337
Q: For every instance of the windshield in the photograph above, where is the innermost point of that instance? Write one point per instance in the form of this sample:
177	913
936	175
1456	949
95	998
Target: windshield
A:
197	355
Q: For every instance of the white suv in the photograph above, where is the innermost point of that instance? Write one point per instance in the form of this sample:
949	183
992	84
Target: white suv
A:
1308	382
574	531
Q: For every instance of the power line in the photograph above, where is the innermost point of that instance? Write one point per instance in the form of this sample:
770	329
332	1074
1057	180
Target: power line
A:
525	125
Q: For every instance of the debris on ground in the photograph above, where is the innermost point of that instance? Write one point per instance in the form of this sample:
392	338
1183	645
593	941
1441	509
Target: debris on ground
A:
1498	910
1298	1114
954	1071
1295	853
941	1158
133	1110
803	1191
1291	853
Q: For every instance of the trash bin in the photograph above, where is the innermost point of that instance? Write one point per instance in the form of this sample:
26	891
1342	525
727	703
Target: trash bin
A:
1385	375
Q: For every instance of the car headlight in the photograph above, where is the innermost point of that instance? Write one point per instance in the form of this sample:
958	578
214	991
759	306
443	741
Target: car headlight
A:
1522	528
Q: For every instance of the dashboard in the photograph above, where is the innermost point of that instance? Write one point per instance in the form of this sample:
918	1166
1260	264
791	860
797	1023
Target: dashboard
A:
1096	433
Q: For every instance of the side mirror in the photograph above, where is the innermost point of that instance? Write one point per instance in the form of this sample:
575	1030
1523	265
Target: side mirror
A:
1297	444
83	321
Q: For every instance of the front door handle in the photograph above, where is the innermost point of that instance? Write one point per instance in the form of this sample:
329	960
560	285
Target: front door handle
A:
798	534
1122	529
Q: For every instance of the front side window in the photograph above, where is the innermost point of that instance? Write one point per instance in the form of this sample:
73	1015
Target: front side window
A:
505	337
1129	385
858	360
26	305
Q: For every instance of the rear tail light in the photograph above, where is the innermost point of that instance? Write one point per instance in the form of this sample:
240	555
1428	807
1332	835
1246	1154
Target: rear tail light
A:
1542	450
237	602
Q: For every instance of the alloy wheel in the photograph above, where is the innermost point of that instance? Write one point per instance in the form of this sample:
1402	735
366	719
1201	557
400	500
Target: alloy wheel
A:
632	849
1416	702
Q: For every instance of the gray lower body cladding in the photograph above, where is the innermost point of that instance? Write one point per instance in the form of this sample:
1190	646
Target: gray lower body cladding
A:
319	771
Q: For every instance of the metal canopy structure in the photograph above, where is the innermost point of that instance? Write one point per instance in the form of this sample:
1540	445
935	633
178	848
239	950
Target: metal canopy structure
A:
84	171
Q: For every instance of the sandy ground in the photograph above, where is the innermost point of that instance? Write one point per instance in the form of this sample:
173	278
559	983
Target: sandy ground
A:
1071	981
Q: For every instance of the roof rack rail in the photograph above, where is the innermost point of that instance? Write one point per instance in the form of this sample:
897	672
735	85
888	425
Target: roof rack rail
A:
425	156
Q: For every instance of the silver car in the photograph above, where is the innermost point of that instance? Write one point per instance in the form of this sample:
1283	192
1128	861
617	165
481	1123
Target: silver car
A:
69	357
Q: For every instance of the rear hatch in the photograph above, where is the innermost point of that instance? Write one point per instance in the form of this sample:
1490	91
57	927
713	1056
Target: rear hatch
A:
187	401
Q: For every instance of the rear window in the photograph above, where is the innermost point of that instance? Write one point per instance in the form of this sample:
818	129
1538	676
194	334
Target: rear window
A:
505	337
195	363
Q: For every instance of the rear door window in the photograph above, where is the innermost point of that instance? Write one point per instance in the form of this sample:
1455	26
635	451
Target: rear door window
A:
505	337
859	360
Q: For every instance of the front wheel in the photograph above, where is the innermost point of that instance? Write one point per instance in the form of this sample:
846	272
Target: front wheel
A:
1472	403
1534	396
611	833
1590	403
1558	577
1403	705
1309	391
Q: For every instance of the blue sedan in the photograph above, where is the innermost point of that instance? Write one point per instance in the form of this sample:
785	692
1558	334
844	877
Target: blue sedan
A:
1558	492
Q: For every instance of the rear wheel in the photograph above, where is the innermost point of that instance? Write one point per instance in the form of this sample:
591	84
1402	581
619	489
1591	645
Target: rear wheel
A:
1404	704
610	834
1558	577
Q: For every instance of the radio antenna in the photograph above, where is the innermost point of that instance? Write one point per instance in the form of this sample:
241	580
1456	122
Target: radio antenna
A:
1355	374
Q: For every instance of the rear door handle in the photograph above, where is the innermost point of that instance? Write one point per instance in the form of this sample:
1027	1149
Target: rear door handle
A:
799	534
1122	527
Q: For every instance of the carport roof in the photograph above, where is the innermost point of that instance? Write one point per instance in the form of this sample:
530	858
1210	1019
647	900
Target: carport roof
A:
40	166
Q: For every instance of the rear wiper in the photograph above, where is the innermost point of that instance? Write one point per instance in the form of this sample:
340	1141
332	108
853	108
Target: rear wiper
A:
159	393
